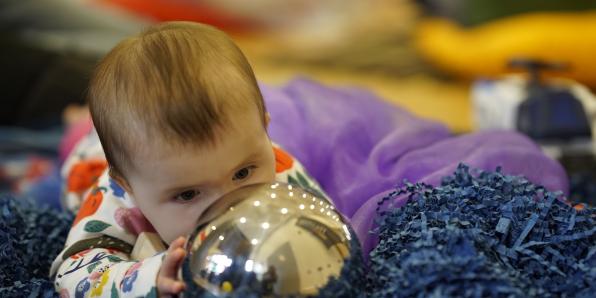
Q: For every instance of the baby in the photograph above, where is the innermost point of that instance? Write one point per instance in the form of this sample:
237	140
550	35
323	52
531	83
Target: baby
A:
179	122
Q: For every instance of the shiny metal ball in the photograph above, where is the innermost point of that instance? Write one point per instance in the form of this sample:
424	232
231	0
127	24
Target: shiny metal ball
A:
268	240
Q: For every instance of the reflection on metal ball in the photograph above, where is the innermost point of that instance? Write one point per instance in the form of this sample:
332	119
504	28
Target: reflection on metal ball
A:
270	239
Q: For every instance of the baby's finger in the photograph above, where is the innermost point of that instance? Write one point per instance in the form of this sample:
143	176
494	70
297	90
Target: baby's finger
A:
167	283
169	267
179	242
167	287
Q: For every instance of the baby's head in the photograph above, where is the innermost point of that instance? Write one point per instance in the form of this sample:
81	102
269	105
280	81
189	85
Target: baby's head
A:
182	122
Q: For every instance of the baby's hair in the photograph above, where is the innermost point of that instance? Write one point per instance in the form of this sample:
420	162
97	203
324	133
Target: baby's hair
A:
176	82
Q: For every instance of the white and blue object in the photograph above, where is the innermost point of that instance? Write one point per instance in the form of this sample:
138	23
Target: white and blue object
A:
559	114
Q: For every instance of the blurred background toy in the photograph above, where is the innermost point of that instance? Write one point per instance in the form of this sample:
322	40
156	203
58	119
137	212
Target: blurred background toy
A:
558	113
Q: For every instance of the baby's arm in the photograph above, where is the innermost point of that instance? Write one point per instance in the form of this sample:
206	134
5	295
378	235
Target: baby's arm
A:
100	272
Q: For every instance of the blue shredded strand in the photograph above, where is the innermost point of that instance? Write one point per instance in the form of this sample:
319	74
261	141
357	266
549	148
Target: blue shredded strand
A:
483	235
25	228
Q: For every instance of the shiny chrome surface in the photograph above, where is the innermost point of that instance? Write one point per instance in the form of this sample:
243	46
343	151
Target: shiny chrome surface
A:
271	239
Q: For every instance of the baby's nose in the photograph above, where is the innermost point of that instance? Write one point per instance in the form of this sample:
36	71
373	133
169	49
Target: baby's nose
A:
214	202
227	188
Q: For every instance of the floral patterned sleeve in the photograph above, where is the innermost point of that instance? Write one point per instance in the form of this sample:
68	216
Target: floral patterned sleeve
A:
101	272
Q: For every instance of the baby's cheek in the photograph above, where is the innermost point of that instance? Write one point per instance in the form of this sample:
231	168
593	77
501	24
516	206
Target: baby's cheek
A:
133	221
180	223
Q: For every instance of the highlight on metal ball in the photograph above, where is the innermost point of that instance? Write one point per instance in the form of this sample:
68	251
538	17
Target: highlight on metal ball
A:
272	239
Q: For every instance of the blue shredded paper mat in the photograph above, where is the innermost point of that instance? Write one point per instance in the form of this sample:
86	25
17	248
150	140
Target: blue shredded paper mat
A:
30	238
479	234
483	235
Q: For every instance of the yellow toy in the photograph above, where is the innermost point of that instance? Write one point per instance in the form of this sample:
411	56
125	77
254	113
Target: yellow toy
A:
484	51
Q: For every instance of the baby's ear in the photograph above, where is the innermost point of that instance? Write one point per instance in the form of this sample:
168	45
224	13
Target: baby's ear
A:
120	180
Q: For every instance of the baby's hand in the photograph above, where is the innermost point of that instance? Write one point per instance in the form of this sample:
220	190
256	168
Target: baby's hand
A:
167	278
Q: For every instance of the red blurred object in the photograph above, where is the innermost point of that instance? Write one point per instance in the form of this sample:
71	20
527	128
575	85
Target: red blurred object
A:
185	10
38	167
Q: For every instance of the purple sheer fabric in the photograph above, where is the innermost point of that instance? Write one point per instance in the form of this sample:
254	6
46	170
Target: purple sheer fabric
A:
358	147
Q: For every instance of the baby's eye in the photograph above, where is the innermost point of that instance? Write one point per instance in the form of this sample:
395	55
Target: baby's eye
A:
243	173
186	196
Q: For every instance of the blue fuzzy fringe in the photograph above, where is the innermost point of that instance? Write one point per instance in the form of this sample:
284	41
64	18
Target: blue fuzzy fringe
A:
31	237
483	235
477	235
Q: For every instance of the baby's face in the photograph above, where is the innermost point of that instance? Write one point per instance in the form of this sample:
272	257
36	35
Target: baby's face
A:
174	186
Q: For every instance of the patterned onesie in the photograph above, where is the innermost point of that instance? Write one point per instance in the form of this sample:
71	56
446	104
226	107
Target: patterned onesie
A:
96	259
